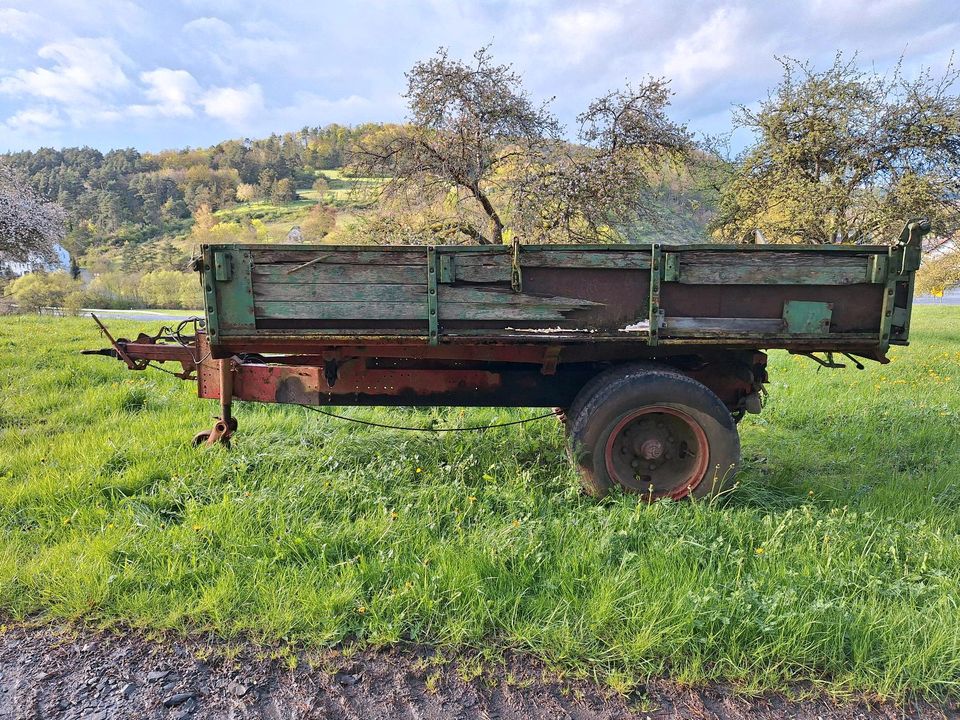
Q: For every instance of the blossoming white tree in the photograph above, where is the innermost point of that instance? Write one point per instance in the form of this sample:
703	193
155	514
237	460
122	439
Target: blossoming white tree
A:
29	224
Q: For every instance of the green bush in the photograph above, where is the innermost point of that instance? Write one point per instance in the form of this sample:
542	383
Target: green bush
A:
38	290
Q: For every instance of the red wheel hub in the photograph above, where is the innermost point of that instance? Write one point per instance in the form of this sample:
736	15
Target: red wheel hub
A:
658	450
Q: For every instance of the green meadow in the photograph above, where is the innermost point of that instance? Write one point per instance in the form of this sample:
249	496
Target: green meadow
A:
834	561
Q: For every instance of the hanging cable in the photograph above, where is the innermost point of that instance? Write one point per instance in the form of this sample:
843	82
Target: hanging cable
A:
420	429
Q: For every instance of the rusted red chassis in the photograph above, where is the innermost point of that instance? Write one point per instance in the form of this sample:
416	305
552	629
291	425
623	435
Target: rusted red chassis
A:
491	374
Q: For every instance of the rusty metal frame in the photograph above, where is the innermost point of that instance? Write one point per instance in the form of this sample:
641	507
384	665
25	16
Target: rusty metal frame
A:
656	275
433	332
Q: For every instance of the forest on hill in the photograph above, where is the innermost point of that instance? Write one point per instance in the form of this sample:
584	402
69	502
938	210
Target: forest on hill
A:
134	219
125	196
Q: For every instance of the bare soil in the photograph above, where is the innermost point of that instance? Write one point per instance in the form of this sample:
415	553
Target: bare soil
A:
77	672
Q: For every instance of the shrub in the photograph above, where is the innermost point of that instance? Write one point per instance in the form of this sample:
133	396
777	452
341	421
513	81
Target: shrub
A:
75	301
170	289
38	290
318	223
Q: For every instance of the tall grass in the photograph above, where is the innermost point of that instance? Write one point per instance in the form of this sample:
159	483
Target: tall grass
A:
836	560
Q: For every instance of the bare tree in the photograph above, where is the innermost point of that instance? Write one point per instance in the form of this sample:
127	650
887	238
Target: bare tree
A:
594	189
29	224
494	161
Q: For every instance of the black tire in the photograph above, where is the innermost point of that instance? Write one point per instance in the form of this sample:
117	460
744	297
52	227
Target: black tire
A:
594	384
646	428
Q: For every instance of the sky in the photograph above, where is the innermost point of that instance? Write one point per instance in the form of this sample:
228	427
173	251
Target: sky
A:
173	73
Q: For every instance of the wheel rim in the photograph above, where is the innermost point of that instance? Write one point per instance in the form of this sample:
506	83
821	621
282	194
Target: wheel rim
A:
658	450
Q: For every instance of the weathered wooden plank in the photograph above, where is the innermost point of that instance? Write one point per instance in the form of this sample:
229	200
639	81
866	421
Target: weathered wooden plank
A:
703	326
500	312
483	273
751	249
321	311
339	292
333	335
779	259
772	274
269	310
560	258
341	273
374	292
506	296
725	268
330	255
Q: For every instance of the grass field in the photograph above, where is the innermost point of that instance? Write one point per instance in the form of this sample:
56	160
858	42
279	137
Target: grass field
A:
836	560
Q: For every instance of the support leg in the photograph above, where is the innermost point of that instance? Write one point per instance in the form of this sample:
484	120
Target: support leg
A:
225	425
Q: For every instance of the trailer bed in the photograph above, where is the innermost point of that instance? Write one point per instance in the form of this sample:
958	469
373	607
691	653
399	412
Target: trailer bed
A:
803	298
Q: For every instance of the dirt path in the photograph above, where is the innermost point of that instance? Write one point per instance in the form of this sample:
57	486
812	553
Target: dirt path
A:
78	673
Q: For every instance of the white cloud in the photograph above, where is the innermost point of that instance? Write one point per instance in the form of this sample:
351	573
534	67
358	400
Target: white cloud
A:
709	52
171	93
229	52
570	36
233	105
19	24
223	6
34	119
258	66
309	108
83	72
209	26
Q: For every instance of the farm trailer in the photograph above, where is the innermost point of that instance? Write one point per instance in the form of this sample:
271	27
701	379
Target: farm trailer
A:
650	353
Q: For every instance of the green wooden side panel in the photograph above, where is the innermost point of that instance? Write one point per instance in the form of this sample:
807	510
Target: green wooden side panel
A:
228	289
236	294
594	293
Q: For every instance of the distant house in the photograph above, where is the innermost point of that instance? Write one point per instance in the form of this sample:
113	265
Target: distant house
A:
17	268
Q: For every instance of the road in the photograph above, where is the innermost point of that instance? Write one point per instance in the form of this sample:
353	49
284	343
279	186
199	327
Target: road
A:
951	297
108	314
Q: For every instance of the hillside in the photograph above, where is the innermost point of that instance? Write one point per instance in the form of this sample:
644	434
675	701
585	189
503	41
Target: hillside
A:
135	219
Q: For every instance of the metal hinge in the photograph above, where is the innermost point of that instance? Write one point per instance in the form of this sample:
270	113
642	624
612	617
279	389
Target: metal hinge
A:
222	266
